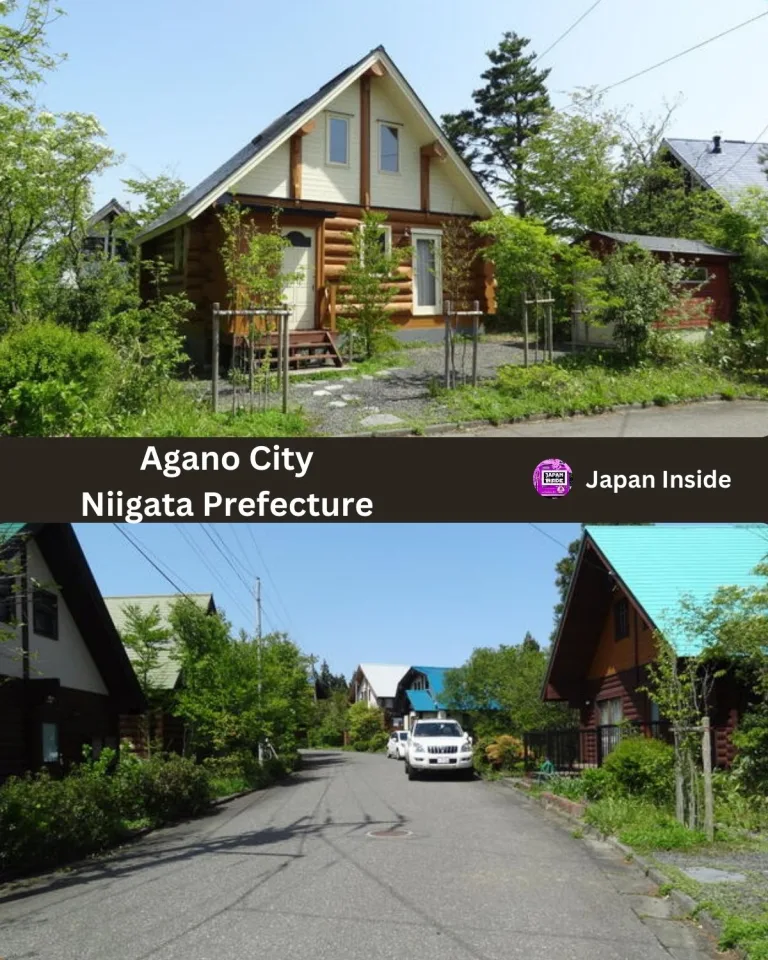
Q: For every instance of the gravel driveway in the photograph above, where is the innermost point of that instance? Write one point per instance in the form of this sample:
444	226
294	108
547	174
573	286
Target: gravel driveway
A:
396	397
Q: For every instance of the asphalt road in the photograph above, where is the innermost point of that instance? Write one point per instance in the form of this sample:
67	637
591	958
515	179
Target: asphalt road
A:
291	874
717	418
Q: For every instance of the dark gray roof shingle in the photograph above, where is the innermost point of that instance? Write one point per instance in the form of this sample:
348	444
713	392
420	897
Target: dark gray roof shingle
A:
729	172
667	244
250	150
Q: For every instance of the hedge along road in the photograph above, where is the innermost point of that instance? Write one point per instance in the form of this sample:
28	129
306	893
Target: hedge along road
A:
291	874
711	418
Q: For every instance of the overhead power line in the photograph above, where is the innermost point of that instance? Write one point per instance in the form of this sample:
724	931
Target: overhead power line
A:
569	30
682	53
269	574
137	546
737	161
211	569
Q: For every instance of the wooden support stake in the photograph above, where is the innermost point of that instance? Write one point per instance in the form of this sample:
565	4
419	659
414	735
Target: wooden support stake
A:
447	311
285	323
525	329
215	359
475	328
706	762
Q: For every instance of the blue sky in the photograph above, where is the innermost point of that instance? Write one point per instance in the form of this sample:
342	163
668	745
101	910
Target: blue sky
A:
407	593
180	85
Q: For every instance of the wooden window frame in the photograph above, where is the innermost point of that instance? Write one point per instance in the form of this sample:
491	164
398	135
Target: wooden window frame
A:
397	128
690	281
426	233
8	600
38	595
386	229
618	626
55	726
330	117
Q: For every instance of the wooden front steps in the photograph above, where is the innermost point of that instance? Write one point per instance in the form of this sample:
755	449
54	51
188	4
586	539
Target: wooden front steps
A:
306	348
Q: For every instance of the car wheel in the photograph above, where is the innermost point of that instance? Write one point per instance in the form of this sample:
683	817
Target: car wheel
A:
469	774
412	774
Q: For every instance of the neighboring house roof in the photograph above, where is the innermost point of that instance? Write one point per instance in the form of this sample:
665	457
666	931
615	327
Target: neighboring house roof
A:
660	565
166	675
735	168
421	701
69	568
113	206
384	677
214	186
435	678
667	244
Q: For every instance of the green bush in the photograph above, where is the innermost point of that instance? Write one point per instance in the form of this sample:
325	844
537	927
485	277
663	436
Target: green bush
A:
53	381
378	741
641	824
751	740
641	767
594	783
174	788
504	752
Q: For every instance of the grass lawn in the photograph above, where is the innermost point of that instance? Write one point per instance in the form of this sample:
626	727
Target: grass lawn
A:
580	386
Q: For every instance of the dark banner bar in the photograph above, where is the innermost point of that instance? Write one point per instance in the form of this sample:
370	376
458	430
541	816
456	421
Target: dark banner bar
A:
459	479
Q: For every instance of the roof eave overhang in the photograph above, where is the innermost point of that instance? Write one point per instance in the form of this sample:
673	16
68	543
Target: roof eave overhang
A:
163	228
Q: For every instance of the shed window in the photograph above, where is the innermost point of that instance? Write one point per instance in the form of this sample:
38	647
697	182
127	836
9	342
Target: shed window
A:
621	619
338	140
45	614
179	247
695	275
389	148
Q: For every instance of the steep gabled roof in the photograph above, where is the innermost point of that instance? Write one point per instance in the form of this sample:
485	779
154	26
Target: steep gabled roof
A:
735	168
657	567
383	677
217	183
166	675
72	575
113	206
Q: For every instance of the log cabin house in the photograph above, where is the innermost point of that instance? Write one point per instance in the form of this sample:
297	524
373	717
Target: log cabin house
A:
64	676
363	141
628	584
165	729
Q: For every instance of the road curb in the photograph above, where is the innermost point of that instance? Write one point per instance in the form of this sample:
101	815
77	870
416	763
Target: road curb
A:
689	906
460	425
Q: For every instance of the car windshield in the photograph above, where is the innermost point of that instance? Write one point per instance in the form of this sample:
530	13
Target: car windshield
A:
404	735
437	730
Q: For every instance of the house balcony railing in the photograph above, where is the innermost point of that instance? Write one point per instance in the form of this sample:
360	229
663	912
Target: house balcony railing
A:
574	749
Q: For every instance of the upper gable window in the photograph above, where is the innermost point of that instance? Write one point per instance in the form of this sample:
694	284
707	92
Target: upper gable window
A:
389	148
338	139
621	619
45	614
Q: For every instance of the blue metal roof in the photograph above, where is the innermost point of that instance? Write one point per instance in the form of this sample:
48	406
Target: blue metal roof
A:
435	678
421	701
9	530
661	565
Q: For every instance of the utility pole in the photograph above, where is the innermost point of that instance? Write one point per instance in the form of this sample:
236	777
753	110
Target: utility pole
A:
258	659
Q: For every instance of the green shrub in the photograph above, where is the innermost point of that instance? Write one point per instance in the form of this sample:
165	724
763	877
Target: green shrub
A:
360	745
594	783
174	788
378	741
751	740
53	381
504	752
641	824
641	767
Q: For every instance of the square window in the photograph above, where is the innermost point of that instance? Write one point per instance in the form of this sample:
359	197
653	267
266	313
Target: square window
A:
45	614
389	148
621	619
338	140
385	242
50	734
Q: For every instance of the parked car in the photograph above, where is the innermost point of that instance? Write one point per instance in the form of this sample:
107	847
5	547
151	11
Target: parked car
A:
402	740
392	746
439	746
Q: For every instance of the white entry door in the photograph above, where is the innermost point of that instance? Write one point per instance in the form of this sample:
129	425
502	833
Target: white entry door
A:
300	257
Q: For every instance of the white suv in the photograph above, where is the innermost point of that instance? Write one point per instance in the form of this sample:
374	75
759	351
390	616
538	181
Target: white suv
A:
439	745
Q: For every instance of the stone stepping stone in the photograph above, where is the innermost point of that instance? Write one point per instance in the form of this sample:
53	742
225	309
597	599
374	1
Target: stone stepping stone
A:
372	409
383	373
380	420
321	393
367	376
304	386
713	875
337	403
334	387
349	397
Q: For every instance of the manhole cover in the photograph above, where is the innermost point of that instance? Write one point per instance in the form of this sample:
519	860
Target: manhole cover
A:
389	834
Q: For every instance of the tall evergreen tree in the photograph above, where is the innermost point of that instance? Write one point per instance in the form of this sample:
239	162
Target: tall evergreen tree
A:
509	109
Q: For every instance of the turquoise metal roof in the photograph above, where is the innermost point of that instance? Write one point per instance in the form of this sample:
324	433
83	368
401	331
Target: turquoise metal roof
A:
435	678
421	701
9	530
661	565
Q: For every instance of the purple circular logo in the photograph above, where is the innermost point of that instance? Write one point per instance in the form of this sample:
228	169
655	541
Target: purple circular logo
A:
552	478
